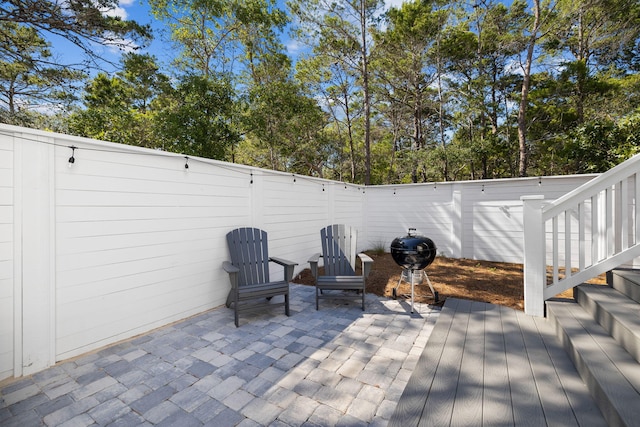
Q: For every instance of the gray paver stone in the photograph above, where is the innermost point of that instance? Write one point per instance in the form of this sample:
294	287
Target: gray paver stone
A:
82	420
135	393
109	411
258	386
362	409
93	387
200	369
161	412
19	394
226	387
50	406
334	398
299	411
110	392
238	399
189	399
28	404
351	368
371	394
153	399
180	418
128	420
28	418
227	417
261	411
325	416
70	411
208	410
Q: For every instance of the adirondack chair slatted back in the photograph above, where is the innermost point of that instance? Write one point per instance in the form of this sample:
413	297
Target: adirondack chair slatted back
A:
338	250
248	250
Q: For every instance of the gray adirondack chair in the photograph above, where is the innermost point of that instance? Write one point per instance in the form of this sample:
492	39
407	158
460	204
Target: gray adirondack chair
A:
249	273
339	258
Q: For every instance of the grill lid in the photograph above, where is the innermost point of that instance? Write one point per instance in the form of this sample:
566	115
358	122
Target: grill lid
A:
412	251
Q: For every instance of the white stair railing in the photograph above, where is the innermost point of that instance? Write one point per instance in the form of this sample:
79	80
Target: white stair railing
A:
581	235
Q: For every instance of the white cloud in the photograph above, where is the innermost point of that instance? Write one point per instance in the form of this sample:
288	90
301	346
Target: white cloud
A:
393	3
117	11
294	46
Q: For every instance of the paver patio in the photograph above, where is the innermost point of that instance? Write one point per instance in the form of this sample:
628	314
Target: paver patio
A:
336	366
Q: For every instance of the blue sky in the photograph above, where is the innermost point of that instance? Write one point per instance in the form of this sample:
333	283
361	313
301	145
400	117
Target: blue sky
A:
161	47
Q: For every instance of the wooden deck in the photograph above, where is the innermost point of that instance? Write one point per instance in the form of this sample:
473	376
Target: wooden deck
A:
488	365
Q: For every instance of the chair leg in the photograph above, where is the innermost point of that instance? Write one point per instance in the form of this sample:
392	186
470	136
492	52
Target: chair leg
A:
286	303
236	317
230	297
317	307
363	300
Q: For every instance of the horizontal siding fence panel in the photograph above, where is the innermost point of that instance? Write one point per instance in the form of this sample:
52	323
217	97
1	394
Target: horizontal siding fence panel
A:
126	239
471	219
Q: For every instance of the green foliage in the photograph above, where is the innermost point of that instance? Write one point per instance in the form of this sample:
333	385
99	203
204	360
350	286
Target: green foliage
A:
198	120
84	23
24	82
118	108
428	91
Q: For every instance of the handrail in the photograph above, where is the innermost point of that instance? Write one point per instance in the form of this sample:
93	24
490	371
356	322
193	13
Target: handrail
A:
584	233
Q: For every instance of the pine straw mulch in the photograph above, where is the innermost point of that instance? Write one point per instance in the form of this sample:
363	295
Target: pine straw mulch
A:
493	282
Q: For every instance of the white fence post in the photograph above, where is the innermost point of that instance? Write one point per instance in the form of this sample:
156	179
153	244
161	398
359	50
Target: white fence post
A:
534	255
35	281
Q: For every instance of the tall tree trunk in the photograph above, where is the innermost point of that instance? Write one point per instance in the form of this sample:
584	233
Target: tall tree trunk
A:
367	95
445	166
352	151
581	77
524	94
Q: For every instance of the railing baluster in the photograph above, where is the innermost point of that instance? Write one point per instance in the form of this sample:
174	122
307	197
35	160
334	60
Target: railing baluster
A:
636	209
567	243
624	214
554	236
594	229
609	236
581	237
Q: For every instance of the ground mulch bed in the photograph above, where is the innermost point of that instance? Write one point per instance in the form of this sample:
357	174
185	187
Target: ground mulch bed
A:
493	282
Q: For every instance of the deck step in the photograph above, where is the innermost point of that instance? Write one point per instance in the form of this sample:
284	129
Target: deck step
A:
610	372
626	282
615	312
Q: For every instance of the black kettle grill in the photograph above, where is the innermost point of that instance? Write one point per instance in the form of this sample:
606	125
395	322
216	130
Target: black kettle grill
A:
413	253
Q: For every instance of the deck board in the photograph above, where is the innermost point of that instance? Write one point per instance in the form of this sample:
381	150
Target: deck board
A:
524	393
468	402
496	400
410	407
488	365
440	401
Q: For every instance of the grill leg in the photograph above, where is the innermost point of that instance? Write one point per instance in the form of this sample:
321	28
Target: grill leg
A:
412	288
435	294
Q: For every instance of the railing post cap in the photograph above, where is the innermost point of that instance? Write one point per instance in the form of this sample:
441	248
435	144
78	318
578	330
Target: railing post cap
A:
536	197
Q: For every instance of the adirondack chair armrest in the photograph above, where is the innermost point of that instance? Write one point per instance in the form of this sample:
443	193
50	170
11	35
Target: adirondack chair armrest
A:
233	272
288	267
313	264
367	263
233	278
230	268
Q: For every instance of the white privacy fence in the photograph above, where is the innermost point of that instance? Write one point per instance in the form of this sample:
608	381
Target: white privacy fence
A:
126	239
